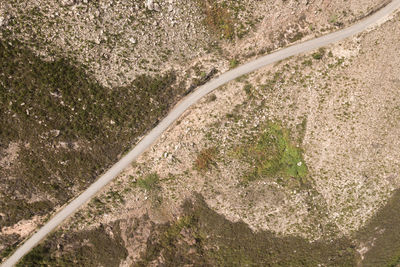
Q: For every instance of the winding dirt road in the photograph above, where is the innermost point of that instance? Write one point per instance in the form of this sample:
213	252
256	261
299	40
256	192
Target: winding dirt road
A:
182	106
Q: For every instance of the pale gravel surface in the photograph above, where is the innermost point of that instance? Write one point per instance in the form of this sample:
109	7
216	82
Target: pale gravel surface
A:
146	142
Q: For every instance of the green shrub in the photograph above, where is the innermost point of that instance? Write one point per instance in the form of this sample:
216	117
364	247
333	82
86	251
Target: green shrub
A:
319	55
247	89
149	182
233	63
296	37
211	98
307	62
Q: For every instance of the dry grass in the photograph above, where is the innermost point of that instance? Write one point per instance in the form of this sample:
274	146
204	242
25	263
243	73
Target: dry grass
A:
218	19
205	159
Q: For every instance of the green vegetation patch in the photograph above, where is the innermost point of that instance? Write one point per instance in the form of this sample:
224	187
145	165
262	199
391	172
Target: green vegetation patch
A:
319	55
274	155
150	182
233	63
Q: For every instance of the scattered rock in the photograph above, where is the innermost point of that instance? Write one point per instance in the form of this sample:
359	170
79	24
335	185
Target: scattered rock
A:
132	40
56	94
55	133
67	2
149	4
156	7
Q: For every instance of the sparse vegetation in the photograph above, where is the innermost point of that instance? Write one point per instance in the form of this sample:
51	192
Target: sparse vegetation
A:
7	251
248	89
233	63
298	36
382	235
307	62
78	151
149	182
319	55
203	237
218	18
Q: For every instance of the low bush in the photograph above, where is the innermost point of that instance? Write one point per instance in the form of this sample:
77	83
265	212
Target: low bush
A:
233	63
218	18
205	159
149	182
319	55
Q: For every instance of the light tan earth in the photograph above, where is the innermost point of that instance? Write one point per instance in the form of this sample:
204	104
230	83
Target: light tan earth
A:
10	154
23	228
350	100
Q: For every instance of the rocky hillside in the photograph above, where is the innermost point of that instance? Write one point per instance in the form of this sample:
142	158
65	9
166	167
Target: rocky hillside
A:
117	40
82	81
294	164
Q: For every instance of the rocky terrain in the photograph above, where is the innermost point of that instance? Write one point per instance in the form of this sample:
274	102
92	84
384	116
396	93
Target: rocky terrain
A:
299	160
81	81
117	40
